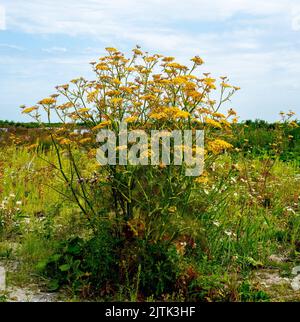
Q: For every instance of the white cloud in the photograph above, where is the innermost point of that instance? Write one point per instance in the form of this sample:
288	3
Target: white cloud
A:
2	18
55	50
10	46
109	17
296	18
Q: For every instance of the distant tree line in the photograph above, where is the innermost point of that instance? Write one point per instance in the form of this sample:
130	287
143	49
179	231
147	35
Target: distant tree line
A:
252	124
27	125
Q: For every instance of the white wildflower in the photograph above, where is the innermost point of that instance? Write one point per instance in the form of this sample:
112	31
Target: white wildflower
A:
216	223
290	209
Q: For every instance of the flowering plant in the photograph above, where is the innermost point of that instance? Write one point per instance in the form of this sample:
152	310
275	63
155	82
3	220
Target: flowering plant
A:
146	92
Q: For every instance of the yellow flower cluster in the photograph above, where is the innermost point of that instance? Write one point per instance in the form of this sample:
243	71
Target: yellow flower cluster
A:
131	119
101	125
217	146
47	101
128	89
65	141
83	110
85	140
212	123
210	82
197	60
167	113
65	106
92	96
203	179
29	109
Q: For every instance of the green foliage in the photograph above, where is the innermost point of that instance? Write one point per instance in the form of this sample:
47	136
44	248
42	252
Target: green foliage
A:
196	245
250	294
257	139
3	298
98	263
159	267
63	267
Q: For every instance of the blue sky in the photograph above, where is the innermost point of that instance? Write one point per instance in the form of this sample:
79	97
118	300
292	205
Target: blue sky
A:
256	43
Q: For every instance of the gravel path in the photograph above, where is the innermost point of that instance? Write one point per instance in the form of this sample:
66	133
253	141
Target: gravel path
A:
30	293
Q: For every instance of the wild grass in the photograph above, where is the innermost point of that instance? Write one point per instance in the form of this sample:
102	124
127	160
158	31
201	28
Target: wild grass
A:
249	211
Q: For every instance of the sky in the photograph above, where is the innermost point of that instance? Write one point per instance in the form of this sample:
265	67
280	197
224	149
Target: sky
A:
44	43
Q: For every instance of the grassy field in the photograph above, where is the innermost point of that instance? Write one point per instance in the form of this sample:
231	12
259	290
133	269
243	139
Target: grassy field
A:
244	221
